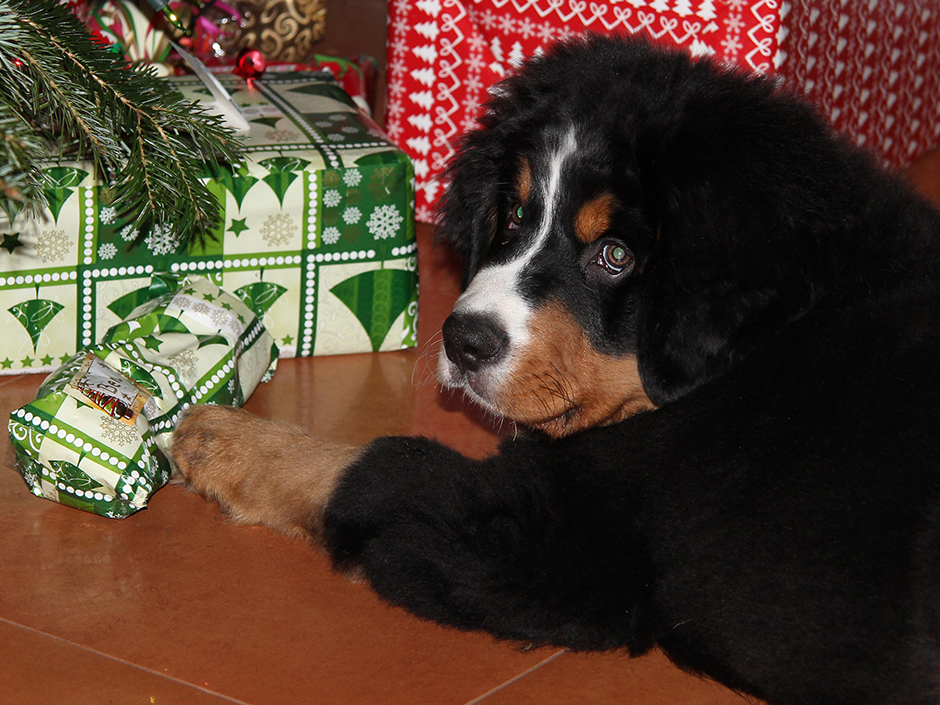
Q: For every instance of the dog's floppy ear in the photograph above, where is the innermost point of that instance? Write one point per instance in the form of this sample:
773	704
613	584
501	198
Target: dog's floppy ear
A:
748	187
467	212
484	172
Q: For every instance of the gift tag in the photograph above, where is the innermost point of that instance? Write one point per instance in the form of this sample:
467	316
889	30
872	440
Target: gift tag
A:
103	388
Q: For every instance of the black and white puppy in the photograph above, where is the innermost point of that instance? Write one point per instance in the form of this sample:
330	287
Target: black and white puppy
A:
722	323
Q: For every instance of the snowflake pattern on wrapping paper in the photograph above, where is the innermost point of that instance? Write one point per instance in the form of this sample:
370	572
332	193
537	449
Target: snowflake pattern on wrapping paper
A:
53	245
107	215
331	178
224	319
352	215
151	410
113	431
129	233
384	222
162	240
278	229
200	307
381	177
331	198
331	236
185	363
282	136
107	250
106	195
352	178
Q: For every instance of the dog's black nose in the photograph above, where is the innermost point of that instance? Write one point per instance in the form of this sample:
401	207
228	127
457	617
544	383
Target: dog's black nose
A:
473	340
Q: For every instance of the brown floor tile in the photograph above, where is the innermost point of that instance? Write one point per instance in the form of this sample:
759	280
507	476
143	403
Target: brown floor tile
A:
49	671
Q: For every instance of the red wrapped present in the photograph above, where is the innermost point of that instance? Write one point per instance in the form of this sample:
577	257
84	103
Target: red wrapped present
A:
865	63
444	54
872	66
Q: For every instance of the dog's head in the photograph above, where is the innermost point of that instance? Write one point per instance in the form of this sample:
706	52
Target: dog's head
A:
632	222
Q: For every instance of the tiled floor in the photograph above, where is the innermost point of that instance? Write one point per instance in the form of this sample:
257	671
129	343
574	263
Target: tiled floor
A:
176	605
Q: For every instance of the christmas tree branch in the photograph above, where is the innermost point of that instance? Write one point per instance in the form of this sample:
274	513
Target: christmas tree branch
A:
70	104
83	102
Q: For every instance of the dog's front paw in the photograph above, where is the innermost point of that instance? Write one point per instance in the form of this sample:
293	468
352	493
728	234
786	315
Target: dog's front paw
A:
261	471
215	451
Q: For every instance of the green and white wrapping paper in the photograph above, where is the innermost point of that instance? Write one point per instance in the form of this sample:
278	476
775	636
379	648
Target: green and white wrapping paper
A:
96	435
317	237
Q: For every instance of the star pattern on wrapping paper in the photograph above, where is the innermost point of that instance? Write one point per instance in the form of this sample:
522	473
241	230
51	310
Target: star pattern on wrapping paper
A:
151	342
238	226
11	241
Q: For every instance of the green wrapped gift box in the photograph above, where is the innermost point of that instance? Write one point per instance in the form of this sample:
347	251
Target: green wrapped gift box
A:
317	237
97	433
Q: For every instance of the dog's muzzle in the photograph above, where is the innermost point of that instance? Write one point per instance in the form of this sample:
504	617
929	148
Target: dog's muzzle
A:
473	341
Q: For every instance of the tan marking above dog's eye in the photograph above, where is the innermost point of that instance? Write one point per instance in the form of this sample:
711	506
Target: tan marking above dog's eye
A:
524	182
594	217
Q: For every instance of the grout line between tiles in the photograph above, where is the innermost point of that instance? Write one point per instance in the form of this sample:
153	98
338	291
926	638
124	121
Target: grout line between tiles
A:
526	672
125	662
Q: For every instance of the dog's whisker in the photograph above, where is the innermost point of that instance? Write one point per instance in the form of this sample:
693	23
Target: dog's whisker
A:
424	371
565	386
552	390
559	387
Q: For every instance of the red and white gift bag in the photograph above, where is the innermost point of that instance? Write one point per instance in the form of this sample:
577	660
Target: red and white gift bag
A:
872	66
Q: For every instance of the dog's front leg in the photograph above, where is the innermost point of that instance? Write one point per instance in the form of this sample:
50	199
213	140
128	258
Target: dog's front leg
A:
511	545
261	471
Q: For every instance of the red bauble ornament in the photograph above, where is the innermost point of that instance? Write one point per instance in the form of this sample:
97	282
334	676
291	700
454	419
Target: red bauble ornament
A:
250	64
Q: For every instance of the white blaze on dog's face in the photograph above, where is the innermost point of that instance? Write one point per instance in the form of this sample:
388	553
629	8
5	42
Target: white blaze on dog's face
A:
517	341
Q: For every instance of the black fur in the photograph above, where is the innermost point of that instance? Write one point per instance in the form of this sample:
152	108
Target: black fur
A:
775	524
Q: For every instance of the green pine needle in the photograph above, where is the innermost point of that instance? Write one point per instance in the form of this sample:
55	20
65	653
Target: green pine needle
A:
65	97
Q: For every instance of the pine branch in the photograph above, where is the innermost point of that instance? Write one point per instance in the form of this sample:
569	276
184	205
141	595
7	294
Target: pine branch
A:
62	96
19	185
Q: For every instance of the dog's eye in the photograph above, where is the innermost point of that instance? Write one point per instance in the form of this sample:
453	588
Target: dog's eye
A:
515	217
616	258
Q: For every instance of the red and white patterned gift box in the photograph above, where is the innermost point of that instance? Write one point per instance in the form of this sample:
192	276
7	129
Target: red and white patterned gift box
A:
872	66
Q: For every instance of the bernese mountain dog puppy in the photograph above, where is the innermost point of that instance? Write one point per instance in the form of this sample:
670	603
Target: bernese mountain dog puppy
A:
721	323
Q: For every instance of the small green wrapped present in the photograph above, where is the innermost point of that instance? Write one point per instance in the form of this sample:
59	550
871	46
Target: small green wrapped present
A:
96	435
